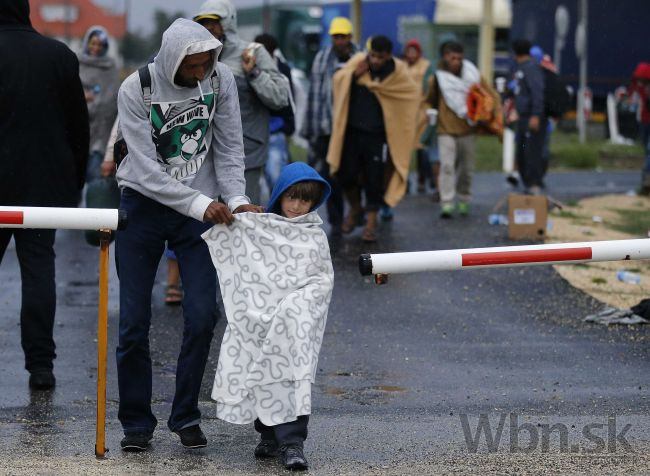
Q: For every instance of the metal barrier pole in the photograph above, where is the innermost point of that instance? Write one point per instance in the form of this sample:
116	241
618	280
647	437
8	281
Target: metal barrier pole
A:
381	265
100	219
102	344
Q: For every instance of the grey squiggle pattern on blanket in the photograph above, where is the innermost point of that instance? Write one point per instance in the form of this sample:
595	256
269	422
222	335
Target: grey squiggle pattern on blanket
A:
276	280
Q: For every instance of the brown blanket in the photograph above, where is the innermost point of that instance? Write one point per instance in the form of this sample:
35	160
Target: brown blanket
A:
400	98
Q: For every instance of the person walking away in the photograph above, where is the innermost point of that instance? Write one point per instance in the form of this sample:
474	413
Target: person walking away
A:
374	123
422	72
100	80
317	127
43	154
260	85
282	124
640	92
454	80
532	120
183	172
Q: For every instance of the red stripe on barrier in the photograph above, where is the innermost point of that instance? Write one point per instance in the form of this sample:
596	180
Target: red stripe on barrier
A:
532	256
11	218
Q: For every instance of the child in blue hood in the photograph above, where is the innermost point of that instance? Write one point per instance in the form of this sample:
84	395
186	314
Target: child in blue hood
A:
298	191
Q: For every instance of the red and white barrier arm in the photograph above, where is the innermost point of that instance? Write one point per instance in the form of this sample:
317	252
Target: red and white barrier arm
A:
62	218
504	256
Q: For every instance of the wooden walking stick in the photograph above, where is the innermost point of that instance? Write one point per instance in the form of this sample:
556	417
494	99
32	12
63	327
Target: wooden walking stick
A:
102	345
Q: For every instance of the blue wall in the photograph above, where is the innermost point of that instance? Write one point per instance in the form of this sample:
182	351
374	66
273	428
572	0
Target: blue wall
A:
380	17
618	36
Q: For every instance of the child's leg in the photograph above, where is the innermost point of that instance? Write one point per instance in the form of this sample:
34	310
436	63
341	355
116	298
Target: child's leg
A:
293	432
266	432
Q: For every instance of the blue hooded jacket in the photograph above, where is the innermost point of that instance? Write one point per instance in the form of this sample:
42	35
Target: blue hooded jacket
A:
290	175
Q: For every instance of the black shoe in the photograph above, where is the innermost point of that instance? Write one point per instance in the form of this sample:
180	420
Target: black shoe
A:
293	458
192	437
267	449
136	442
42	380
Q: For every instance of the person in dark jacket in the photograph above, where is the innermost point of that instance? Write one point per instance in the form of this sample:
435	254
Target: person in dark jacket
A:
43	152
282	124
531	122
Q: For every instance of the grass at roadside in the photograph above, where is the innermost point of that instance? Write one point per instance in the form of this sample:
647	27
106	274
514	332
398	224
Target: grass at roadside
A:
567	153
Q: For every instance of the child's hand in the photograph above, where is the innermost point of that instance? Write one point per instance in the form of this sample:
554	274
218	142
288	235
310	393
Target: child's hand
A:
249	208
218	213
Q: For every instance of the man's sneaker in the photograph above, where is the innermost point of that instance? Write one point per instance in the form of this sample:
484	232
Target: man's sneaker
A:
192	437
42	380
447	210
293	458
136	442
267	449
463	208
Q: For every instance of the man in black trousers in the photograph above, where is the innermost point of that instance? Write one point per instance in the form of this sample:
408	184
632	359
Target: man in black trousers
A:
43	151
532	121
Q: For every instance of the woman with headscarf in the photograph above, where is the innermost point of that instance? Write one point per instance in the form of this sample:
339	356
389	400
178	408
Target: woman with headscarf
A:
100	79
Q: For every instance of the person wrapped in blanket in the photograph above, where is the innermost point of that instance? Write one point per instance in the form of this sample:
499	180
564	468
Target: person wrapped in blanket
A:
276	279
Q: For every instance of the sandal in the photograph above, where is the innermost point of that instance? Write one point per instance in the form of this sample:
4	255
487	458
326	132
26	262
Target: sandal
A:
369	235
173	295
350	223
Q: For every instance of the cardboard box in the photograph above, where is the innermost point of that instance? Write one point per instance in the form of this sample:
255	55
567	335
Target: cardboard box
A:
527	216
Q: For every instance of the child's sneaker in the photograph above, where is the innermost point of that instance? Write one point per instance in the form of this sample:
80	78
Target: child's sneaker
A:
447	210
267	449
293	458
463	208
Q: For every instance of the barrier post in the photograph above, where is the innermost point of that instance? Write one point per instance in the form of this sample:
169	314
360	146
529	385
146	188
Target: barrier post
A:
102	344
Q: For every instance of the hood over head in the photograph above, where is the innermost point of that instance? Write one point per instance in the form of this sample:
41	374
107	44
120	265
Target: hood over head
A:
102	61
291	174
99	31
184	37
223	9
14	12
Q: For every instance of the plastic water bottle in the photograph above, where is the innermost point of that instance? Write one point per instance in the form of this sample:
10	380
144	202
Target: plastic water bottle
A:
496	219
627	277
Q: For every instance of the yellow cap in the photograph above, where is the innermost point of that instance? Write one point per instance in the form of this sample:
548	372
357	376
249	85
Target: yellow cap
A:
207	16
340	26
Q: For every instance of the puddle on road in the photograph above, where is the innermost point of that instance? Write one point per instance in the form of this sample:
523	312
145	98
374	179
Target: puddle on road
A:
372	395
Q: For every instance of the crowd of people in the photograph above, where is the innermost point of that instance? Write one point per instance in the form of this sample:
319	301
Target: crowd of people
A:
191	136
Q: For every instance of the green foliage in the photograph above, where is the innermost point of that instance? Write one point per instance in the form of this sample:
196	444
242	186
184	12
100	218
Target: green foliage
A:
634	222
137	48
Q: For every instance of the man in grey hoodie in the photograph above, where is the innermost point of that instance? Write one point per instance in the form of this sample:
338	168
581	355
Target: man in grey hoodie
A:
184	140
260	85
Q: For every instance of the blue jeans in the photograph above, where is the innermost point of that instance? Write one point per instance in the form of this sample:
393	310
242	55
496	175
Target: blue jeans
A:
278	158
138	251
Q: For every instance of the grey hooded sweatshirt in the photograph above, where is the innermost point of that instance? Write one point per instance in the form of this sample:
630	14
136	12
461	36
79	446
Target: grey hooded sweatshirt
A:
187	148
263	90
99	74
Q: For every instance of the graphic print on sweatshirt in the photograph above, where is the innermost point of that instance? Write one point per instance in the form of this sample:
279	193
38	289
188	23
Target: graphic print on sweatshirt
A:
179	131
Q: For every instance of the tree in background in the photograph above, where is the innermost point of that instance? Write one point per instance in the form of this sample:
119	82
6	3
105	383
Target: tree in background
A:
137	48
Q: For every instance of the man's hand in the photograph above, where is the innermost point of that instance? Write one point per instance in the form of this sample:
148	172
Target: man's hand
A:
533	123
361	69
249	208
248	61
218	213
108	168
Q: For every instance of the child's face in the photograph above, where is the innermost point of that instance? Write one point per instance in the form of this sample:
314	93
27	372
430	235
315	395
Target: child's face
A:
294	207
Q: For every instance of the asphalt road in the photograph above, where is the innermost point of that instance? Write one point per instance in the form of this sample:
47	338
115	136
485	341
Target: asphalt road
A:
407	370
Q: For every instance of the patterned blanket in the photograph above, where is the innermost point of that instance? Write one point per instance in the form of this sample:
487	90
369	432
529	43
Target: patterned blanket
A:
276	280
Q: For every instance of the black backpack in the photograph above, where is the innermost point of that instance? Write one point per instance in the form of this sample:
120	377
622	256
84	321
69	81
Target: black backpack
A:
556	96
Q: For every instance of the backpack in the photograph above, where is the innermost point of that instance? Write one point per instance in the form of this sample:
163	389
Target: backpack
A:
556	97
120	149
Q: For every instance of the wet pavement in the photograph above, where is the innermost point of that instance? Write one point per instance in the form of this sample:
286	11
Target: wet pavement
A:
406	370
